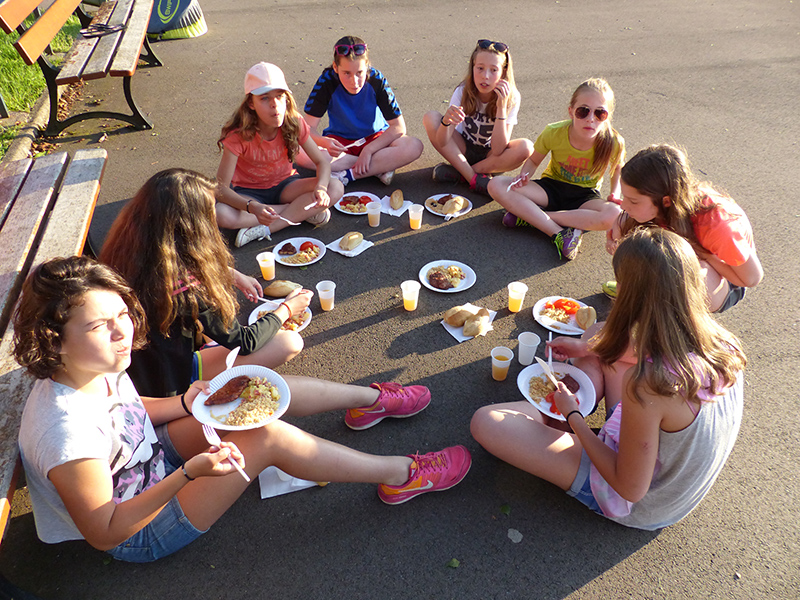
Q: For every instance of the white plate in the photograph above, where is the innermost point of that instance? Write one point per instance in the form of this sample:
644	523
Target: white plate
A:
271	305
586	393
207	414
372	198
463	211
570	328
296	242
465	284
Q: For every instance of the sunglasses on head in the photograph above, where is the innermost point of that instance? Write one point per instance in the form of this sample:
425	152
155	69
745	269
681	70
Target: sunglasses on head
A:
490	45
345	49
601	114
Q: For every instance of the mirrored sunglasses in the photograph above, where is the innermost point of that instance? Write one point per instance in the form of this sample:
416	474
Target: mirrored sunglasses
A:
490	45
601	114
346	49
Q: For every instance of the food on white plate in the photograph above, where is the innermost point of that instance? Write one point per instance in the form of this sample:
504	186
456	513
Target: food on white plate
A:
280	288
542	389
458	315
229	392
444	278
287	249
292	324
354	203
478	324
308	251
396	200
560	310
351	240
447	204
259	401
585	317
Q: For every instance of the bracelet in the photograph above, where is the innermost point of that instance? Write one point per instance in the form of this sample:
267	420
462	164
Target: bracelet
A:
183	404
499	118
287	308
445	124
247	206
572	412
185	474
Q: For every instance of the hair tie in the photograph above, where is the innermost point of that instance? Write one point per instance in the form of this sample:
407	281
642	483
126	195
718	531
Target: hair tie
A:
287	308
185	474
183	404
572	412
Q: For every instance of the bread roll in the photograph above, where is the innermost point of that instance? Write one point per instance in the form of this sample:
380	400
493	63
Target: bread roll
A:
457	316
351	240
586	317
454	205
478	324
396	200
280	288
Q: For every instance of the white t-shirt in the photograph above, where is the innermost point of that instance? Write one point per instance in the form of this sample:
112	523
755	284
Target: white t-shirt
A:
478	127
60	424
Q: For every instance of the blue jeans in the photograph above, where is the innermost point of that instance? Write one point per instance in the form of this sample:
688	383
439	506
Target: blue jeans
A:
581	488
170	530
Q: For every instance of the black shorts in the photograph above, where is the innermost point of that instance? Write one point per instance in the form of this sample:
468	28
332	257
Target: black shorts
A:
270	195
735	294
474	153
565	196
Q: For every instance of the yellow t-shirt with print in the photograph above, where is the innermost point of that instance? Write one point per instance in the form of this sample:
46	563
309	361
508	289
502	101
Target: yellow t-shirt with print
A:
568	164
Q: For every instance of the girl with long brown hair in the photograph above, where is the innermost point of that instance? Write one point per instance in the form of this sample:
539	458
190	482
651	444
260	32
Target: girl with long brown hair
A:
672	380
474	134
566	200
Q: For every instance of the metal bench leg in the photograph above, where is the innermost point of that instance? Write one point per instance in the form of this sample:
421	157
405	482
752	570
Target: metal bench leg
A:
148	56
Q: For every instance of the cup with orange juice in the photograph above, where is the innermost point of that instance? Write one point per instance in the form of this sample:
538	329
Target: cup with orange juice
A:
326	290
410	291
516	294
374	214
501	360
415	216
266	260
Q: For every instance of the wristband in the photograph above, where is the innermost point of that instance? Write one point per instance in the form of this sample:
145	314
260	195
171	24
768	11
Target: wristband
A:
445	124
499	118
185	474
247	206
572	412
183	404
287	308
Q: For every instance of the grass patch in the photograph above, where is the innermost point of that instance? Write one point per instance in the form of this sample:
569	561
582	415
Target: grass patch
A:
7	135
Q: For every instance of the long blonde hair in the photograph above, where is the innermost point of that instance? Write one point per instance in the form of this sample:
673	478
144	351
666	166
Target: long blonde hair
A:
167	235
469	94
661	311
607	136
245	121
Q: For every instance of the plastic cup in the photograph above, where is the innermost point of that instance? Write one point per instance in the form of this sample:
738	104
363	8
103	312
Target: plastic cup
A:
528	343
415	216
374	213
266	260
410	291
516	294
325	290
501	360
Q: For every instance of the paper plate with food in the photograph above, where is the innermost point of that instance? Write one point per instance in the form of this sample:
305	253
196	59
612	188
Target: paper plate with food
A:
538	389
296	323
447	276
448	205
350	244
564	315
243	397
299	252
355	203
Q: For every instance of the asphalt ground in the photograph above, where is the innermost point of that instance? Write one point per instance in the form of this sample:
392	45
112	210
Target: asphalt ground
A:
719	79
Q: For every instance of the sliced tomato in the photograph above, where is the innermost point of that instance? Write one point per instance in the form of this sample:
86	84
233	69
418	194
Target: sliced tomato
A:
365	200
306	246
568	306
551	400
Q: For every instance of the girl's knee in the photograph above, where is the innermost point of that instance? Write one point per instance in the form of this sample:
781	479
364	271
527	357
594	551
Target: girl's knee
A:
335	190
431	120
484	424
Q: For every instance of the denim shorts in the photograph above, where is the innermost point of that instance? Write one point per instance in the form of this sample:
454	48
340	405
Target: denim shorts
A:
581	488
270	195
170	530
565	196
735	294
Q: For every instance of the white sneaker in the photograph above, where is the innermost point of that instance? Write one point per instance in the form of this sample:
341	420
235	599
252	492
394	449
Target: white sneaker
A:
386	178
341	176
320	218
248	234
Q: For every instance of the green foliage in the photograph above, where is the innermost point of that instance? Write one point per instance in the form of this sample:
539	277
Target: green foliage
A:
7	135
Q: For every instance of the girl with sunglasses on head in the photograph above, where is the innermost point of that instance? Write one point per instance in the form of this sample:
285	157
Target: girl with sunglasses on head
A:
260	191
566	200
659	188
474	134
672	378
134	476
366	132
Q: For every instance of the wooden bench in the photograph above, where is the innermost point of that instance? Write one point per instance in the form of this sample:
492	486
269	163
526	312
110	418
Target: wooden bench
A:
46	207
116	54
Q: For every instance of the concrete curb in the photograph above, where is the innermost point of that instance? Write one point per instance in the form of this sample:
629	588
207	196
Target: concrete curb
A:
37	119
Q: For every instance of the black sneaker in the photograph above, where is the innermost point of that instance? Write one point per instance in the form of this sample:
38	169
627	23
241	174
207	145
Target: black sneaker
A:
446	173
482	183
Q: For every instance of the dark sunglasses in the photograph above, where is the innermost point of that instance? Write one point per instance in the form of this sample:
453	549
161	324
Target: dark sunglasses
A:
601	114
490	45
345	49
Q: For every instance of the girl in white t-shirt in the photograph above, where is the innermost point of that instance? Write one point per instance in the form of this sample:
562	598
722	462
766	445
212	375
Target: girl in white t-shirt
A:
474	134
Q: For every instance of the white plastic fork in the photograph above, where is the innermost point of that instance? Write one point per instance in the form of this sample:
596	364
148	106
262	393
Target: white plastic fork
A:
356	144
287	220
212	437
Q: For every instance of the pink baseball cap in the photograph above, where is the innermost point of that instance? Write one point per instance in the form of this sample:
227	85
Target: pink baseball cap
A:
263	78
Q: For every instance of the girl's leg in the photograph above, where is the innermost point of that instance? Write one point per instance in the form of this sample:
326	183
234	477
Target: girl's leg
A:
594	215
229	217
515	433
292	450
299	194
279	350
525	202
312	396
453	150
401	152
511	159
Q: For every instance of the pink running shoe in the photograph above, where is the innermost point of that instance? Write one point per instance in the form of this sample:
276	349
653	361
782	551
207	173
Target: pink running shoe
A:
394	401
432	472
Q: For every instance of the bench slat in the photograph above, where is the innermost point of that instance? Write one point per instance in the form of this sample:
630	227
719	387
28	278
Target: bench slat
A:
12	174
22	224
82	49
131	46
108	45
14	12
33	42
